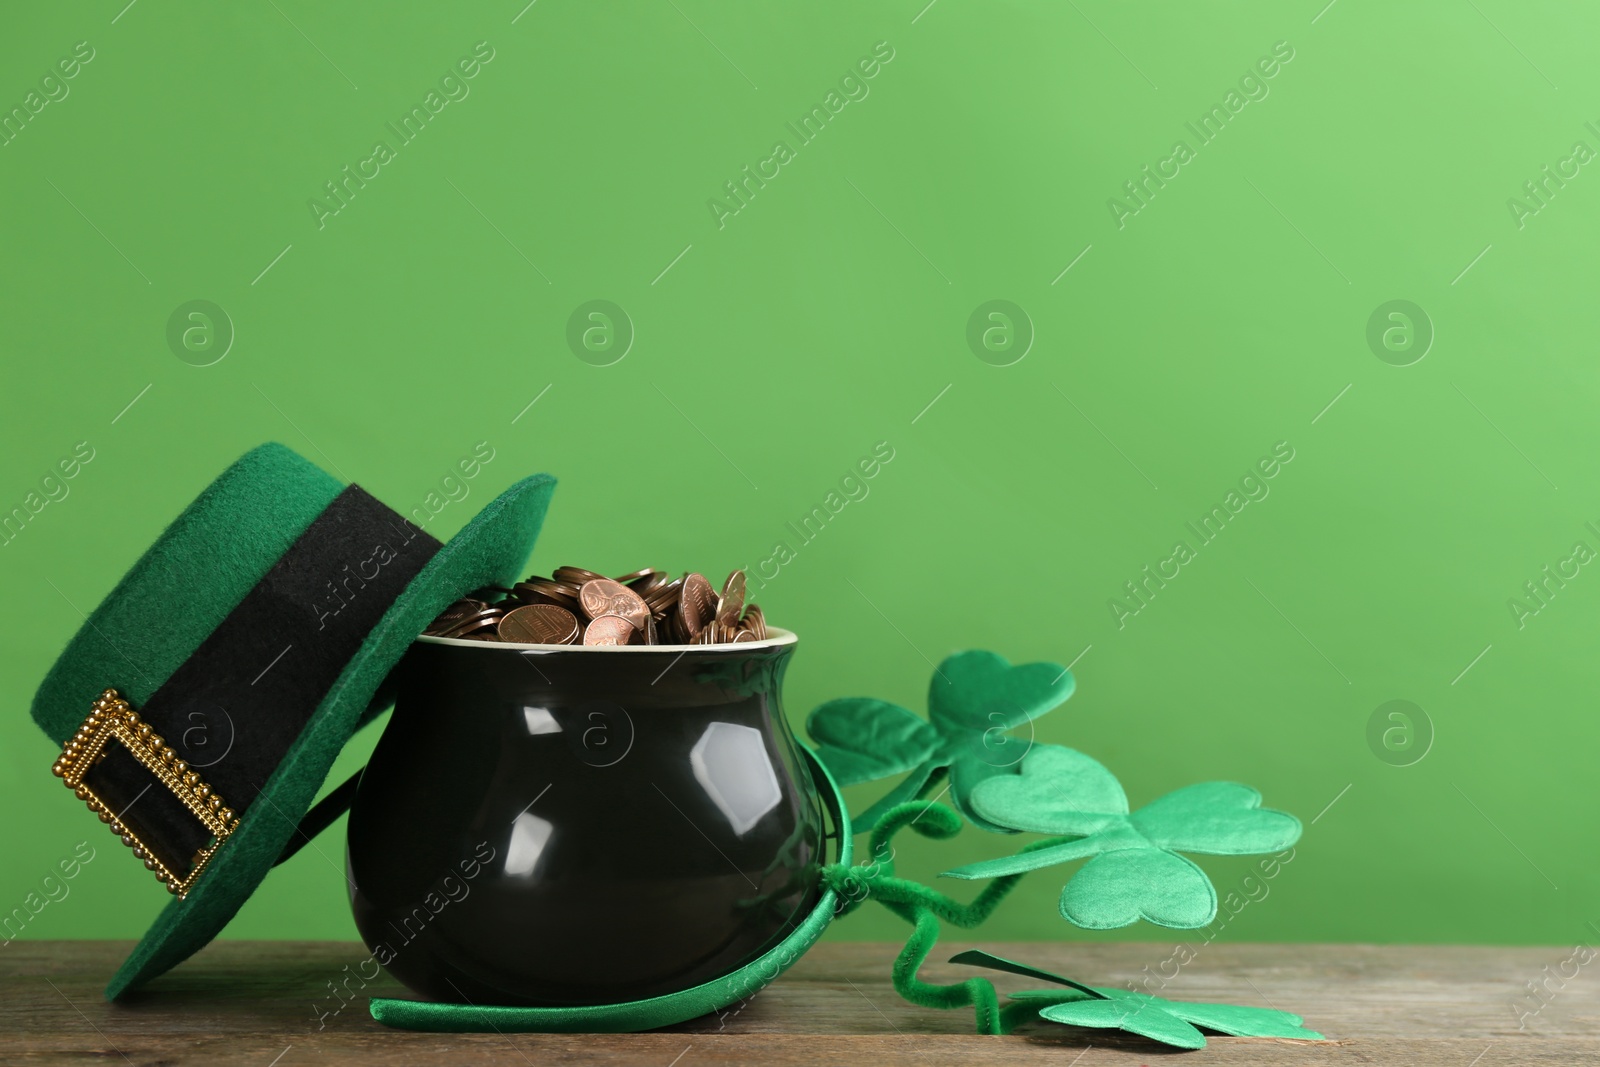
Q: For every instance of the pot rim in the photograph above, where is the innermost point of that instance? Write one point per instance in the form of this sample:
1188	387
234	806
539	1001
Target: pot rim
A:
777	636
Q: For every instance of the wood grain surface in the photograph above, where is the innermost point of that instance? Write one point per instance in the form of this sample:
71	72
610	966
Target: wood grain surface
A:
269	1004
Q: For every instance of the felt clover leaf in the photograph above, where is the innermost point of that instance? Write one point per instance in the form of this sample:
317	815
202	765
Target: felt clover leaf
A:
1134	870
974	700
1172	1022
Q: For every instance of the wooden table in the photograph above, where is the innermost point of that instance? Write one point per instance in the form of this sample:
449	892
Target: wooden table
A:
257	1003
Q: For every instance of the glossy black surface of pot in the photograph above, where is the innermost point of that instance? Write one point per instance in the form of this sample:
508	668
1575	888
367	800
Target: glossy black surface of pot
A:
582	826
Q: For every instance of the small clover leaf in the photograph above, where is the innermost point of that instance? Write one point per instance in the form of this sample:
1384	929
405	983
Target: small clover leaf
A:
1120	887
1134	870
1175	1022
861	739
1172	1022
974	700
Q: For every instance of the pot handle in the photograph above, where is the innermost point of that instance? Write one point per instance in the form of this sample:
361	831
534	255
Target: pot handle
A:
321	816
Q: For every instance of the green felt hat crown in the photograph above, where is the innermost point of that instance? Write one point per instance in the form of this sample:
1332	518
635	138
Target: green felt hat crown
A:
282	598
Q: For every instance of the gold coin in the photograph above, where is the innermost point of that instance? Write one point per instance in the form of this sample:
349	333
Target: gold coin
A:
539	624
608	630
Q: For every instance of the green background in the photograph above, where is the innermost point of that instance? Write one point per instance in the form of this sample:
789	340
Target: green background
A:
773	352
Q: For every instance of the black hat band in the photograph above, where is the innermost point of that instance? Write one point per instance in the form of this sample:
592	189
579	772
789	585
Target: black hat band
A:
232	711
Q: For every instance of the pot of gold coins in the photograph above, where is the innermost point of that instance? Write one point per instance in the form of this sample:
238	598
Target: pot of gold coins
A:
587	794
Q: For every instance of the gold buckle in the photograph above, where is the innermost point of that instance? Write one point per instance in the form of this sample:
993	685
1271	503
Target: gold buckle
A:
113	718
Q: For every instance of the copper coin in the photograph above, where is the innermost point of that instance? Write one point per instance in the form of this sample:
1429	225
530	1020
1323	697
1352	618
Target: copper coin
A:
645	586
696	603
608	630
565	603
575	576
731	603
663	597
548	591
539	624
544	587
453	615
666	630
659	610
755	620
595	596
602	596
556	585
483	616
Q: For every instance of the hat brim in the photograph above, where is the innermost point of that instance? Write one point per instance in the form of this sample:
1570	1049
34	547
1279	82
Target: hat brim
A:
490	550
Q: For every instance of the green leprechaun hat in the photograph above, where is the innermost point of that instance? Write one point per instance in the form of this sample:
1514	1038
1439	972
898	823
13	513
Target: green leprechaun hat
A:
271	612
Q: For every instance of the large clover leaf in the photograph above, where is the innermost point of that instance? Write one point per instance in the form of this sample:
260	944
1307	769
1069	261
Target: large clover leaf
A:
974	700
1134	870
1172	1022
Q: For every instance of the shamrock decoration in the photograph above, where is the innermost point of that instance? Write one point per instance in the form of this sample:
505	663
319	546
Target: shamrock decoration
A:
1135	871
973	700
1007	784
1172	1022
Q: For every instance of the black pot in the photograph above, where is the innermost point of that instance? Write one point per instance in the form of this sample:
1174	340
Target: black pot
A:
560	825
